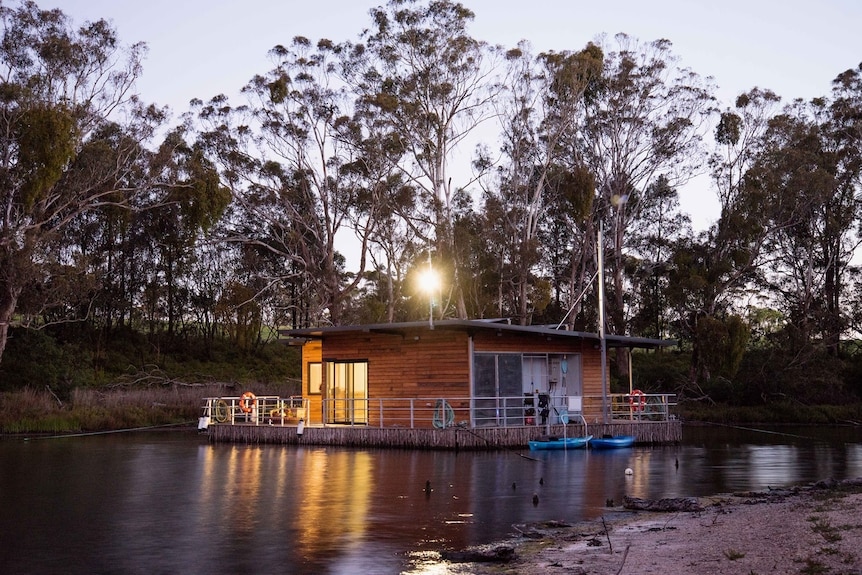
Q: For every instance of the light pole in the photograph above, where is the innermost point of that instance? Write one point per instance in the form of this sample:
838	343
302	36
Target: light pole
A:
617	202
430	283
602	342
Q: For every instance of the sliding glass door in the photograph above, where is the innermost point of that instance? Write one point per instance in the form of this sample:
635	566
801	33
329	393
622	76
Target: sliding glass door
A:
347	392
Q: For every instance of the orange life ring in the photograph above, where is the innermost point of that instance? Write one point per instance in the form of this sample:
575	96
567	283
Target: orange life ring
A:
247	402
639	403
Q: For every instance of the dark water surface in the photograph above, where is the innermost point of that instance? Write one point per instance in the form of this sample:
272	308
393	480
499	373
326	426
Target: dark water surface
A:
164	503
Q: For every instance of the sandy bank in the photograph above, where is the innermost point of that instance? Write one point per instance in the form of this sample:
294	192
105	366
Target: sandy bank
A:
815	529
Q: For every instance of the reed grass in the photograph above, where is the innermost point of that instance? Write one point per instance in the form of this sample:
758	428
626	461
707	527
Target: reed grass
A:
31	410
773	413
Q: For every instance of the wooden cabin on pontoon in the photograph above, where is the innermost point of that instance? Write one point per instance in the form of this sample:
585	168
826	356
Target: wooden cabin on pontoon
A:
453	383
472	373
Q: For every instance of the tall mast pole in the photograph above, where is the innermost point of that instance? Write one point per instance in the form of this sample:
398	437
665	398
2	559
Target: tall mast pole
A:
602	341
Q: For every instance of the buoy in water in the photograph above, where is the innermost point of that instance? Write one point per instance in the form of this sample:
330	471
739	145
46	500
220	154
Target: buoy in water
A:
629	471
535	499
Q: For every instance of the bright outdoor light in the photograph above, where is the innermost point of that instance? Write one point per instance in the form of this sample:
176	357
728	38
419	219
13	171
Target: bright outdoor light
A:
429	281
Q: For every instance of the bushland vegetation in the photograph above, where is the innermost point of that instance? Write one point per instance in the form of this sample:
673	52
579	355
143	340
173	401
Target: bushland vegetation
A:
53	383
768	388
344	171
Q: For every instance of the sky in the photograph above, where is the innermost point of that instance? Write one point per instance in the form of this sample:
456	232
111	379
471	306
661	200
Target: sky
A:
202	48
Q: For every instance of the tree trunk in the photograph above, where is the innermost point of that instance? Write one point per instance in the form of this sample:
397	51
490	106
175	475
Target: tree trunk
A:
8	303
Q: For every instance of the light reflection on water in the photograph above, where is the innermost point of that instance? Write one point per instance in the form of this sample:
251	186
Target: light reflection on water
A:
170	502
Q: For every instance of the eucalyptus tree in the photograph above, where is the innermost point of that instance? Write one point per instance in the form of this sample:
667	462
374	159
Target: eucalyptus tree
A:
706	278
134	259
845	130
212	268
428	78
807	177
846	127
106	243
646	120
709	274
845	113
699	276
289	158
189	201
739	235
788	188
395	240
541	101
477	251
664	226
394	249
738	136
568	247
58	86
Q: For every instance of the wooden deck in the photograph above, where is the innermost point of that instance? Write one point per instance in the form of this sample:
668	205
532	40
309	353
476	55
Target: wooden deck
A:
456	437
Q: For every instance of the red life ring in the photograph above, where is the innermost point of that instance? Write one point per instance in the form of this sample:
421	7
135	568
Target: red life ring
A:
247	402
639	403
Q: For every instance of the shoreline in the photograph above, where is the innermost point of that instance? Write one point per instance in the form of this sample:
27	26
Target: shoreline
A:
181	427
816	528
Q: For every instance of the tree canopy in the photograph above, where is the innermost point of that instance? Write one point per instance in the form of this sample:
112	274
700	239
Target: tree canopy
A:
339	174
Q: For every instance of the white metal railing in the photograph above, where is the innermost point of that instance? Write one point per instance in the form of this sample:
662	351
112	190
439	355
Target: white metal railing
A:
495	411
259	410
642	406
422	412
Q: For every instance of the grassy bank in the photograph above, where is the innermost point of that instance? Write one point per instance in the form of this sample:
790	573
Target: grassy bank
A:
41	411
53	382
772	414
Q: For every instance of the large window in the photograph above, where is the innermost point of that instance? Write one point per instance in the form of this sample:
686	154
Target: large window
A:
518	389
497	389
347	392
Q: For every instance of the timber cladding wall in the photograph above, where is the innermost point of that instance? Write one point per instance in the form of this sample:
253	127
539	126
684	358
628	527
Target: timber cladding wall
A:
423	363
311	353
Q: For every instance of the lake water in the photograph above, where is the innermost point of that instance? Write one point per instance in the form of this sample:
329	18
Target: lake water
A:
169	502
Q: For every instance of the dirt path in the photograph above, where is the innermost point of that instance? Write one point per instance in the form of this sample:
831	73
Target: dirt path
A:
808	530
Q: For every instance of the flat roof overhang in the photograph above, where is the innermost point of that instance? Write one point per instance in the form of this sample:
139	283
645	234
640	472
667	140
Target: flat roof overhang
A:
402	328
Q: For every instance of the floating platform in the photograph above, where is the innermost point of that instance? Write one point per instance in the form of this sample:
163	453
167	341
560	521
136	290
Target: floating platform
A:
454	437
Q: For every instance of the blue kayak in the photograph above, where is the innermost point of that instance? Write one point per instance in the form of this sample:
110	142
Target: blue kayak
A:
560	443
612	442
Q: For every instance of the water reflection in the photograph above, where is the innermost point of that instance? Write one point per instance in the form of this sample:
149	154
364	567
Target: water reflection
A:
171	503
